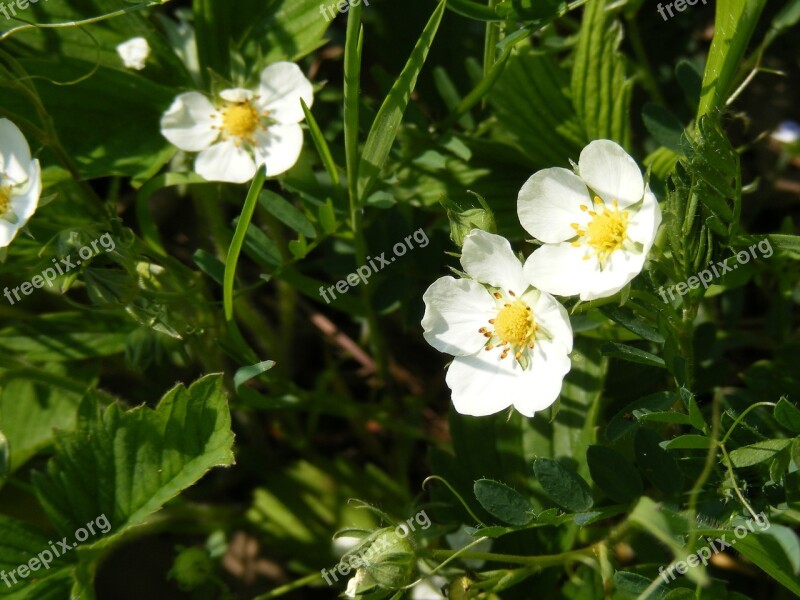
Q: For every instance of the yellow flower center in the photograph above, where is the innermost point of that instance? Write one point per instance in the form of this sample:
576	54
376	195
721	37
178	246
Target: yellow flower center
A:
606	232
5	199
240	120
514	328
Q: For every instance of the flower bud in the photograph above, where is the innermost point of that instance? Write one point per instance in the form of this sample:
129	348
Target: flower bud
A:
192	568
464	219
387	558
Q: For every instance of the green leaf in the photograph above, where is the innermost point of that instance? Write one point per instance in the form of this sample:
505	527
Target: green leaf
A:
689	442
632	354
788	415
563	485
212	24
691	81
658	466
758	452
245	374
127	464
600	91
627	318
614	474
321	144
624	421
734	23
503	502
209	264
663	126
287	214
387	122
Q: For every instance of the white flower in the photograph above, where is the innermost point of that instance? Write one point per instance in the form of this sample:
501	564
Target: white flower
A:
134	53
464	536
20	182
245	129
511	341
597	226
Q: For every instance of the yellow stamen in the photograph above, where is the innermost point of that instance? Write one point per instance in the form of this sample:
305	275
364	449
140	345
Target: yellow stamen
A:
240	120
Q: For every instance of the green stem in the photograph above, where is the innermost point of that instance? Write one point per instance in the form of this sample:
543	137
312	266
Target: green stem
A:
289	587
530	561
742	416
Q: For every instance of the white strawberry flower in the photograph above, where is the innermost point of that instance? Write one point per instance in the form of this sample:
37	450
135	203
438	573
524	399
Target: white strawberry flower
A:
20	182
596	226
243	129
511	341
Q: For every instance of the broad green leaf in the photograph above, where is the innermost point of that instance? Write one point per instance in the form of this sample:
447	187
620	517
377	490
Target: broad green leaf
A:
658	466
758	452
503	502
127	464
563	485
734	23
32	404
614	474
387	122
788	415
600	91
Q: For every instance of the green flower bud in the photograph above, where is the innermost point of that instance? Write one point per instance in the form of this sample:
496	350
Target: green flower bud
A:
387	557
192	568
464	219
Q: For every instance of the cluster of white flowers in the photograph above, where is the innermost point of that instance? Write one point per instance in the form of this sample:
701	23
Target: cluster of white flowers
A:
510	338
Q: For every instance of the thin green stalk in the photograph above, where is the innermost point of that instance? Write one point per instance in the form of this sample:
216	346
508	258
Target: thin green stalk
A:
742	416
289	587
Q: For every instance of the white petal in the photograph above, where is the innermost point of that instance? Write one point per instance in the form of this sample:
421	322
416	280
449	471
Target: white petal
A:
643	225
483	384
543	380
134	53
236	95
7	232
188	122
25	202
15	155
550	201
608	170
561	270
620	269
488	258
278	147
550	315
282	86
225	161
454	311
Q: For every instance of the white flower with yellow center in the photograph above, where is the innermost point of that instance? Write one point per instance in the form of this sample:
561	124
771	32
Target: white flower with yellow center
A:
20	182
244	129
510	340
596	226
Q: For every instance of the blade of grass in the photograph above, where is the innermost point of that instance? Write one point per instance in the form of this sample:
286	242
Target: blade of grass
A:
321	145
352	87
387	122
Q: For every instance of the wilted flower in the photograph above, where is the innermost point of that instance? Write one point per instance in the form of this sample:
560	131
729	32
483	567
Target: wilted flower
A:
134	53
597	226
243	129
510	340
20	182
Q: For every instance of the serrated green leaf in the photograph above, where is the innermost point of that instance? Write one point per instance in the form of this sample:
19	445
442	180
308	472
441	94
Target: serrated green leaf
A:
127	464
